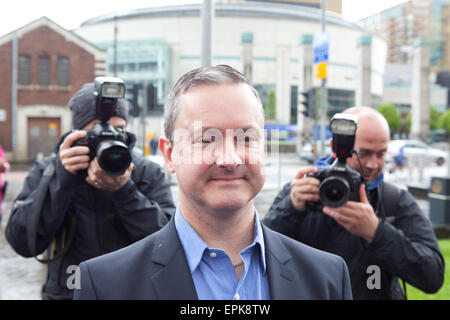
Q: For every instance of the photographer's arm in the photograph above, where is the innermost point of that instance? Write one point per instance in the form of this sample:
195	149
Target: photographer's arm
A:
289	214
282	216
407	247
54	207
356	217
144	204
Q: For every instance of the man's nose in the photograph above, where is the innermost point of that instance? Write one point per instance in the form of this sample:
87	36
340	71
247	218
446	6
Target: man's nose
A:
227	155
372	162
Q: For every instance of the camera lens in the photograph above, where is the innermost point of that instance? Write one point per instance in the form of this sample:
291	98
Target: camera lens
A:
334	191
113	157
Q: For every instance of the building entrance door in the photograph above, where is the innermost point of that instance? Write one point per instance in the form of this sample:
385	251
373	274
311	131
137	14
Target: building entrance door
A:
42	133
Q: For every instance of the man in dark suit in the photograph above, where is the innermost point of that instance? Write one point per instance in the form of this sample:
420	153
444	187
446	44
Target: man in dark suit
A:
215	246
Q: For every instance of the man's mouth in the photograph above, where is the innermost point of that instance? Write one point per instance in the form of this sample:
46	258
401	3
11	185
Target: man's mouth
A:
227	178
369	177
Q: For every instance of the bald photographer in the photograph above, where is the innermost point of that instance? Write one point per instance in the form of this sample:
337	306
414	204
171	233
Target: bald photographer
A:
344	206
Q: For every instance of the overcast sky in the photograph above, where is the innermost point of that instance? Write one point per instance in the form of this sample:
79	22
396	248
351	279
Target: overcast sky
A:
70	14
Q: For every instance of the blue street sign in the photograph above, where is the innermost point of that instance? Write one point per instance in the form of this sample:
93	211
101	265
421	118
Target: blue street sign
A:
320	47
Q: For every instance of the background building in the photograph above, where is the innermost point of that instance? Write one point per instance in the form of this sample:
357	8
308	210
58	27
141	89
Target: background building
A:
52	64
397	90
402	24
160	44
331	5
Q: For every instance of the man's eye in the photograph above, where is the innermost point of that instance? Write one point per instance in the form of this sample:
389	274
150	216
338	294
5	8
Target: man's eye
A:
363	154
207	139
245	138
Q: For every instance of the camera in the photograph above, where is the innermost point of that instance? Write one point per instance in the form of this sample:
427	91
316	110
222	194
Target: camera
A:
338	182
105	142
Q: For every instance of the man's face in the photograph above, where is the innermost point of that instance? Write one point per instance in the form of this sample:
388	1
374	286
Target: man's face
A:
116	122
218	147
371	140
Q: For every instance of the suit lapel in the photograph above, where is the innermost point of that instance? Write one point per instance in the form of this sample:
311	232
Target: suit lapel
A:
284	283
174	280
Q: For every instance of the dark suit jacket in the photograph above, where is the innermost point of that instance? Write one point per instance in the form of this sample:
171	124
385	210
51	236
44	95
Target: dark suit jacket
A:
156	268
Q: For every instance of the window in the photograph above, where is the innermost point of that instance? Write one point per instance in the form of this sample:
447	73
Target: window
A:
62	76
25	70
44	70
148	66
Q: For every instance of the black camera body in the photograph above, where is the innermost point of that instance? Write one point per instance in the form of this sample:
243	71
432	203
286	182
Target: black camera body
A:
105	142
338	182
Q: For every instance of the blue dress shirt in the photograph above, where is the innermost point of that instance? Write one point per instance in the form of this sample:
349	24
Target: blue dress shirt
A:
212	271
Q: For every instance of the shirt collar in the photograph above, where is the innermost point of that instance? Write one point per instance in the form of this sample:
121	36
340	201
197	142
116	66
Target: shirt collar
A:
194	246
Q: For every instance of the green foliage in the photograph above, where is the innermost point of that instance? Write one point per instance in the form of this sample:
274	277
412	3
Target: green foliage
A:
408	122
271	106
444	291
444	121
389	111
434	118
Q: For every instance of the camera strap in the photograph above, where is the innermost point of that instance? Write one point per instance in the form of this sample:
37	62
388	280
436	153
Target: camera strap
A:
36	207
33	220
390	196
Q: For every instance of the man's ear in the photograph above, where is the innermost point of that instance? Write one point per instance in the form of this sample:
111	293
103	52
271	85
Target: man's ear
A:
165	146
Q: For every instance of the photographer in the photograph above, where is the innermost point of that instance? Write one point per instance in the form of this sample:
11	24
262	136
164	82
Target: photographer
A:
107	210
382	237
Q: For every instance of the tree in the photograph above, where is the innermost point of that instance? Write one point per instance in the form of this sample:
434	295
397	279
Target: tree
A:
444	121
408	121
271	107
434	119
390	113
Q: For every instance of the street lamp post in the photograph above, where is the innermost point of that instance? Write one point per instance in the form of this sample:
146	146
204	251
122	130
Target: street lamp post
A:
207	21
324	98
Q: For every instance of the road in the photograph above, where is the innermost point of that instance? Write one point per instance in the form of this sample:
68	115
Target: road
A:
22	278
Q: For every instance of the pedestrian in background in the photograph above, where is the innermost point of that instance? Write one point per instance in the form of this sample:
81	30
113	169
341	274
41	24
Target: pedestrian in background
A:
4	166
400	158
110	212
154	144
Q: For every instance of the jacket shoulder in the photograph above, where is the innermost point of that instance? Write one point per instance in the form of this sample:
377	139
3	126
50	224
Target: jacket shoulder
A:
301	250
124	258
125	273
320	274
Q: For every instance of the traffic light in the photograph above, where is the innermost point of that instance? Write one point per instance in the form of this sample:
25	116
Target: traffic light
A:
308	102
151	97
133	98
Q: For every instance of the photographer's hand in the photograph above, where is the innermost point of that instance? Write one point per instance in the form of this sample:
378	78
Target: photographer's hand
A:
74	158
356	217
99	179
304	189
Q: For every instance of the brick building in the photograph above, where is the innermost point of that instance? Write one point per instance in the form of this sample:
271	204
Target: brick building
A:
52	64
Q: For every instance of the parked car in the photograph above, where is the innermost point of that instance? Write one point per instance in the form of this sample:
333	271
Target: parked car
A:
414	150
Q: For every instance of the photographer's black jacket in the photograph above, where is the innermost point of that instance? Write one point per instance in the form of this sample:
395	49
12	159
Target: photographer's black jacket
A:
105	221
404	245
